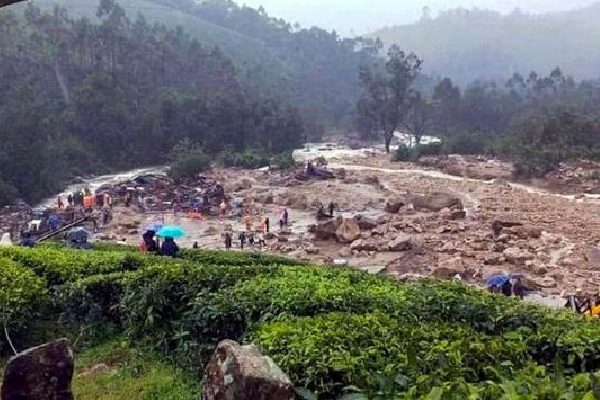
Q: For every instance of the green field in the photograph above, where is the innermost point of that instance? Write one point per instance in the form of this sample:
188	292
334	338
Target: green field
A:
337	332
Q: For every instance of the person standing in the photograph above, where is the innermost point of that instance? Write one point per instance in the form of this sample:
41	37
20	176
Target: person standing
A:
27	241
281	218
228	241
267	224
128	200
70	200
223	208
286	217
59	202
247	220
169	248
331	209
242	239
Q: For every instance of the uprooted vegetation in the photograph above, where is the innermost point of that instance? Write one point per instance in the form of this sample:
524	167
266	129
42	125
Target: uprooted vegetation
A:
334	331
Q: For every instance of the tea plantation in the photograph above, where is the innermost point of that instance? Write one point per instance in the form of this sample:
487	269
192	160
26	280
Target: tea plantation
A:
338	333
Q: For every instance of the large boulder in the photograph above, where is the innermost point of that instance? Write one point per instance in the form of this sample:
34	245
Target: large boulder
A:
327	230
348	231
40	373
436	202
364	245
242	373
365	223
517	257
593	255
393	206
402	242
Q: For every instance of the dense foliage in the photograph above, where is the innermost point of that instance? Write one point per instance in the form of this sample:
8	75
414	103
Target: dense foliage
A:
80	96
335	331
536	121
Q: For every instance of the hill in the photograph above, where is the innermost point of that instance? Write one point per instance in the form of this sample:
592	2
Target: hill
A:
311	68
466	45
330	329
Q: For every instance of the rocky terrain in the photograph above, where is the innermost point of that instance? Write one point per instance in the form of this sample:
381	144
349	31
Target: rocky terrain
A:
409	222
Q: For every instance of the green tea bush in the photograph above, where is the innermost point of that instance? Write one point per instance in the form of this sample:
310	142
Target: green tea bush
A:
328	327
214	257
59	266
327	353
21	294
233	312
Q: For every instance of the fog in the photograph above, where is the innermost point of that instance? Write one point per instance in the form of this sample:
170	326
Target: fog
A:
362	16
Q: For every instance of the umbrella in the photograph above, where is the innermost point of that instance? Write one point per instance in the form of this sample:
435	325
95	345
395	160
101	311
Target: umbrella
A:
498	280
171	231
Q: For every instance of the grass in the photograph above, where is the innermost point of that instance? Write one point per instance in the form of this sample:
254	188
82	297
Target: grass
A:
132	375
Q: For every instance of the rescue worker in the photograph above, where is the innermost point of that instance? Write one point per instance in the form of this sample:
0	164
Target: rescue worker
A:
247	221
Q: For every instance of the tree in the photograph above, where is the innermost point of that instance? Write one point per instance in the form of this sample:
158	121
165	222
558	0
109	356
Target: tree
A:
418	117
187	160
387	92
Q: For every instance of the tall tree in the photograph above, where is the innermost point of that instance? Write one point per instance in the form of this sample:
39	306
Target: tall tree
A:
419	116
387	91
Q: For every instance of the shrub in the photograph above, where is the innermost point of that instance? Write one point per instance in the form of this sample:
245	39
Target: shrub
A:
249	159
283	161
187	160
404	153
430	149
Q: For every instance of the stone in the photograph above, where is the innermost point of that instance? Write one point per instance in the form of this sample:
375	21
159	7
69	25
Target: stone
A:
270	236
457	214
501	223
348	231
593	255
436	202
40	373
401	243
364	245
345	252
517	256
393	206
326	230
546	282
242	373
365	223
312	250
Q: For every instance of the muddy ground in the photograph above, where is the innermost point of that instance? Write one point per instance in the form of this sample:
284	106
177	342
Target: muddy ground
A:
550	238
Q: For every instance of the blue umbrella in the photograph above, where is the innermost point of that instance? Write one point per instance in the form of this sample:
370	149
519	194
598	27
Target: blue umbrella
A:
171	231
498	280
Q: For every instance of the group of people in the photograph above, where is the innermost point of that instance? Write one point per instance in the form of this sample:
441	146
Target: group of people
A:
149	245
512	286
583	304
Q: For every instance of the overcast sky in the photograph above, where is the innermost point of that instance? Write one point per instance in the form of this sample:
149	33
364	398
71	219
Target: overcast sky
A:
360	16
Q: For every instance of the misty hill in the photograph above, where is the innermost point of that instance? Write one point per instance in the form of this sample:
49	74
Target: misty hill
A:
311	68
475	44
